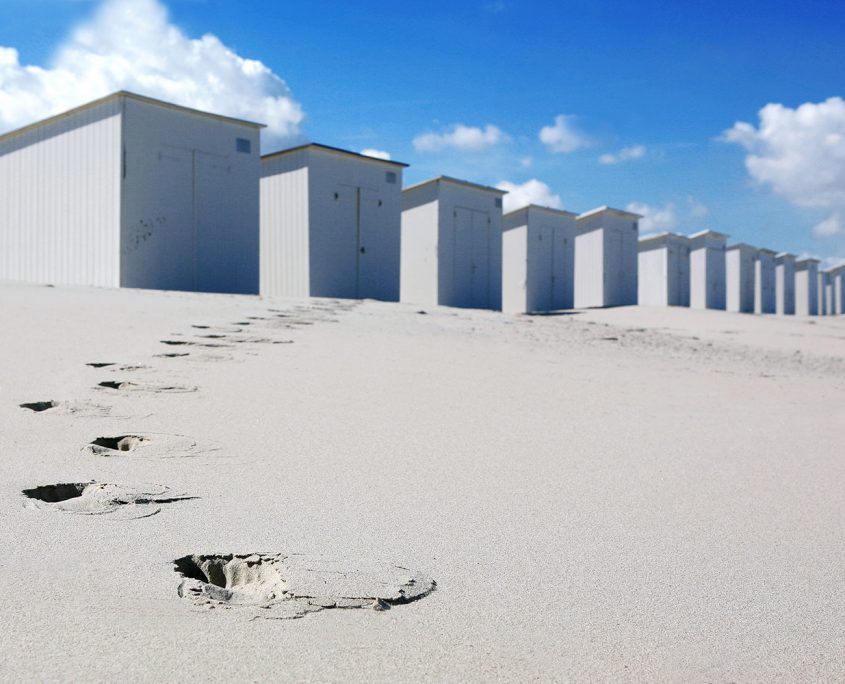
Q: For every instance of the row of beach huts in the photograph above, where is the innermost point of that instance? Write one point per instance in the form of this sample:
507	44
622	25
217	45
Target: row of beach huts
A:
128	191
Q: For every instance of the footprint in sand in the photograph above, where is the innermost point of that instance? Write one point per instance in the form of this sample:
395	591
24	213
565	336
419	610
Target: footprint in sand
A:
284	586
151	387
67	408
147	445
98	498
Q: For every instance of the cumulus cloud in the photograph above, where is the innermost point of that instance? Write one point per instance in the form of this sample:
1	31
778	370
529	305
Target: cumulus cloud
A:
530	192
655	219
461	137
833	225
378	154
832	262
800	154
131	45
564	136
623	155
668	217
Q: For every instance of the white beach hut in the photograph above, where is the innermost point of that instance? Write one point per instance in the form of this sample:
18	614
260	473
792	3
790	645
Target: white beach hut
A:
830	293
823	292
765	299
538	259
740	260
128	191
452	244
707	270
838	283
785	283
806	287
606	258
663	271
330	224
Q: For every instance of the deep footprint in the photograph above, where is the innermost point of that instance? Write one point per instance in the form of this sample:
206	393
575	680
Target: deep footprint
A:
121	443
154	445
96	498
39	406
284	586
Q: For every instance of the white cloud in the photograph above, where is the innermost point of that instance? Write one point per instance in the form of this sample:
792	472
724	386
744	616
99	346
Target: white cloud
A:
378	154
655	219
526	162
131	45
833	225
563	137
832	262
800	154
625	154
461	137
531	192
669	216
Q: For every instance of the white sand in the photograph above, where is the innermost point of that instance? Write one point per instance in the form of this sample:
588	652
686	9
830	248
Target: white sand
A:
648	507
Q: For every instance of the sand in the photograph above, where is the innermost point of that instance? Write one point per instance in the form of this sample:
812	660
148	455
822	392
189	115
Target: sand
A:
631	494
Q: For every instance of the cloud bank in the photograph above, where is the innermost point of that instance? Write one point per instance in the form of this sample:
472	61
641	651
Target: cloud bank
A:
800	154
131	45
461	137
531	192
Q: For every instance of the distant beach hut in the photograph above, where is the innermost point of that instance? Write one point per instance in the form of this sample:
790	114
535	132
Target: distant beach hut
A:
538	259
765	298
663	271
740	260
806	287
837	276
785	283
452	244
606	258
128	191
707	270
823	292
330	224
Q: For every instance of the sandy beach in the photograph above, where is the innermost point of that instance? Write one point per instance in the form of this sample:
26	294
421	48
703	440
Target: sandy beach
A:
626	494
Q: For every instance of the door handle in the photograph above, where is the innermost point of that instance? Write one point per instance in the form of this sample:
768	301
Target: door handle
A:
363	250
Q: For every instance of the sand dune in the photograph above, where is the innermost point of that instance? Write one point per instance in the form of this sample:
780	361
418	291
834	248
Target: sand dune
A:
632	494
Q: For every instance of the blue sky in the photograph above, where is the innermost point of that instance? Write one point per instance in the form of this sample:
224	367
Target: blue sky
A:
662	81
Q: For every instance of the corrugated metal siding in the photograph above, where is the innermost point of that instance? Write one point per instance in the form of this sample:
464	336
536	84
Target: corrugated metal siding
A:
190	218
60	201
606	269
419	263
806	290
515	269
589	269
284	226
355	212
653	284
469	247
764	283
739	269
785	287
538	252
